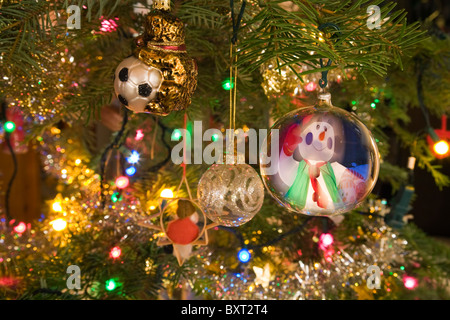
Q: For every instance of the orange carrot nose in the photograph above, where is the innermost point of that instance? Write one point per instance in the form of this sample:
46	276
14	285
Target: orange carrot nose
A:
322	136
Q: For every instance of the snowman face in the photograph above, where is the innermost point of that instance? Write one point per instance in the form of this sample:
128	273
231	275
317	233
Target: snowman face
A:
317	142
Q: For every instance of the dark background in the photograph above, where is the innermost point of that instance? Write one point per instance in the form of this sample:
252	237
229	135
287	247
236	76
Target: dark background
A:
430	209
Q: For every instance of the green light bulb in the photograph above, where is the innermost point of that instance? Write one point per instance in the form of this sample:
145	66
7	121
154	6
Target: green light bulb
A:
227	84
116	197
9	126
176	135
110	285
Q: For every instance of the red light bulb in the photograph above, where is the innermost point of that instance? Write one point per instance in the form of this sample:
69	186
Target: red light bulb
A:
410	282
122	182
311	86
325	240
115	252
139	135
20	228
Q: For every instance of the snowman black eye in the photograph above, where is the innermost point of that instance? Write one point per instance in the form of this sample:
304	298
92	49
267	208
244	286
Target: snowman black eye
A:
318	127
326	129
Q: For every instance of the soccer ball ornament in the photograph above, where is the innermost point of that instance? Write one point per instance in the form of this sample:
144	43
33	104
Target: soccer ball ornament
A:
230	194
320	160
166	77
136	84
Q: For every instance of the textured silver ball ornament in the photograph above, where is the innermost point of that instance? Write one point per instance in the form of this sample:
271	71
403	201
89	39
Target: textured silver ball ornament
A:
230	195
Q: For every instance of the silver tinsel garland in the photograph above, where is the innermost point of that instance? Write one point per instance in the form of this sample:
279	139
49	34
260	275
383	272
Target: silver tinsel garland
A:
340	273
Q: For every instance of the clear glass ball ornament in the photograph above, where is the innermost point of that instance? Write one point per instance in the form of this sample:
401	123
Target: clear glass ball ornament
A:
230	194
320	160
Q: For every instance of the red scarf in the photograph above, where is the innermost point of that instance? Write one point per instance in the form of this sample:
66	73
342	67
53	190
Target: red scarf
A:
319	196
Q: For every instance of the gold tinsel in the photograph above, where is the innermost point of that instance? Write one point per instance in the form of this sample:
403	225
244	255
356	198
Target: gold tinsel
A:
281	81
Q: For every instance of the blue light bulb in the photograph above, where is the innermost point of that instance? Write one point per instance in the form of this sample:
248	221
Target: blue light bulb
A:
134	157
131	171
244	255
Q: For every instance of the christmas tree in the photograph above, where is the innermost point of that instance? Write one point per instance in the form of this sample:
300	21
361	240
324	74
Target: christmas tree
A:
131	108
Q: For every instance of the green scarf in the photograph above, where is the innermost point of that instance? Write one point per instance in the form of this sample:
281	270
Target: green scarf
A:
298	192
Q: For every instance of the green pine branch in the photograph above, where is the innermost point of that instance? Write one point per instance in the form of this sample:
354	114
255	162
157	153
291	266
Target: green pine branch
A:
292	37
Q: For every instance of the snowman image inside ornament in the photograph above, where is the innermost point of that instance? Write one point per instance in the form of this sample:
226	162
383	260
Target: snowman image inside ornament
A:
328	161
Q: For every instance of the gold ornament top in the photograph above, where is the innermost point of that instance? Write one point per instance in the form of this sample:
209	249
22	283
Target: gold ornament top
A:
163	28
161	5
162	46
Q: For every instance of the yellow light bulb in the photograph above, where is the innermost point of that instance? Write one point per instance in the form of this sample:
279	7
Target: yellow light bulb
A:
441	147
59	224
166	193
152	208
77	162
56	206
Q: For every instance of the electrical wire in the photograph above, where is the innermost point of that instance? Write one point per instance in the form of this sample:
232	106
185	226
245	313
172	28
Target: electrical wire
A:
14	158
114	145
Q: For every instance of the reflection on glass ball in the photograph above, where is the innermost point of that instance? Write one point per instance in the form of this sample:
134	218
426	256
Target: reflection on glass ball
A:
230	195
320	160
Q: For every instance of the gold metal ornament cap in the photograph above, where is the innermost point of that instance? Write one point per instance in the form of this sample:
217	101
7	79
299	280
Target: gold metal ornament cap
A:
161	5
162	27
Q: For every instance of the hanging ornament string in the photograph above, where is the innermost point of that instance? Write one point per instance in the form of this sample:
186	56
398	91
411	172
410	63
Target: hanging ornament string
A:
183	165
152	152
323	82
236	22
169	232
168	148
107	154
231	90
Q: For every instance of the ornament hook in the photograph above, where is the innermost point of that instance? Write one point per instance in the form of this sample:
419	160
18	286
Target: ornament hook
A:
323	82
236	23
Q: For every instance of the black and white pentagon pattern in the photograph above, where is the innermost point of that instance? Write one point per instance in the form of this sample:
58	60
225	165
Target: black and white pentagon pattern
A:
123	75
136	84
145	90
